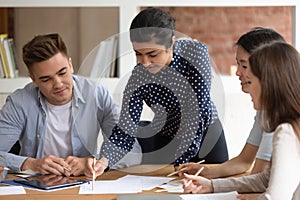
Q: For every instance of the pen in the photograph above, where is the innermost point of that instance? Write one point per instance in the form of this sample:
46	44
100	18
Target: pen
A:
198	172
176	172
66	169
94	176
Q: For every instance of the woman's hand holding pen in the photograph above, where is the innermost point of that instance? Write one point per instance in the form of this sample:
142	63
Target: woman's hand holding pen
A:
192	168
97	168
197	184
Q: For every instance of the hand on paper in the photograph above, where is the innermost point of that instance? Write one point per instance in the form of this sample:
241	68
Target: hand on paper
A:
248	196
199	184
98	168
47	165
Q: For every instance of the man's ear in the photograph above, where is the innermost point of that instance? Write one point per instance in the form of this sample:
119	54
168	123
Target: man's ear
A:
71	65
32	78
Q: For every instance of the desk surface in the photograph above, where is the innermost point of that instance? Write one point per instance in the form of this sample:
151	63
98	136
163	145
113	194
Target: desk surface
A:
72	193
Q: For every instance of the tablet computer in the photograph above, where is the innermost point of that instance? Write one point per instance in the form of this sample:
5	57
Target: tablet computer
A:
49	182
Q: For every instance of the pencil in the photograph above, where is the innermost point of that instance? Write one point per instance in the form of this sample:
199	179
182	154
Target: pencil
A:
94	176
176	172
197	174
168	190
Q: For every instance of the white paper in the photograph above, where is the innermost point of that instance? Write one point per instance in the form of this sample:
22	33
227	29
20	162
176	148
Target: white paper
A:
9	190
211	196
126	184
145	182
108	187
174	186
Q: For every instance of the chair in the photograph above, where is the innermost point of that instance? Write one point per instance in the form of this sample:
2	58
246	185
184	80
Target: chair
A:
15	149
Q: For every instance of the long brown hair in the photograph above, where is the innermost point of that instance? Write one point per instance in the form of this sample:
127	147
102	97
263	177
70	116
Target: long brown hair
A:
277	66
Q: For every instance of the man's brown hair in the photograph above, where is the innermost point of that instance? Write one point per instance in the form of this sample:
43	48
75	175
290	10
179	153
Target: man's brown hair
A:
43	47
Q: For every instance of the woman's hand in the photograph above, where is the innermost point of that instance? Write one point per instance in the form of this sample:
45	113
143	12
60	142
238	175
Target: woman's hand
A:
191	168
247	196
197	184
98	168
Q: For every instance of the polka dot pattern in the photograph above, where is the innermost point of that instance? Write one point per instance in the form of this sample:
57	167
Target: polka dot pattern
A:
178	95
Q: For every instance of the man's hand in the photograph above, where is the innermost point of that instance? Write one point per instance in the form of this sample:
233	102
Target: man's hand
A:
77	165
48	165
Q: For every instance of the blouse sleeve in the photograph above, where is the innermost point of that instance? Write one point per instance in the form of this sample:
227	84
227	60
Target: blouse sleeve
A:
196	57
122	139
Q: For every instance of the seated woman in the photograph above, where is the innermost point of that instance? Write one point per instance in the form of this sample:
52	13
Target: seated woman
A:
273	86
258	148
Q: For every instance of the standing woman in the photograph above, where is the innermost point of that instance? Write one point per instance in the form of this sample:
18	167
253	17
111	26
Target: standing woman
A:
173	77
274	88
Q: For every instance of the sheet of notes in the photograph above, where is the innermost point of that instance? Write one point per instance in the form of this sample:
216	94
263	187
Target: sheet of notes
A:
126	184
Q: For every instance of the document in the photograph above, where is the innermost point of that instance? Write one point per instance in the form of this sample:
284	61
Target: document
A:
126	184
145	182
10	190
108	187
174	186
211	196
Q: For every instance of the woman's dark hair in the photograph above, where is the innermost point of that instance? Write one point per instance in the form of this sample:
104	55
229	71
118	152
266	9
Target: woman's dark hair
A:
153	24
258	36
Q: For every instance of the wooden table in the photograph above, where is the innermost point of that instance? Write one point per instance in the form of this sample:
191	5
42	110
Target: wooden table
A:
72	193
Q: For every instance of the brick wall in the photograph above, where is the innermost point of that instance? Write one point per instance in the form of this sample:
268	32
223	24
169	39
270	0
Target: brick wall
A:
220	27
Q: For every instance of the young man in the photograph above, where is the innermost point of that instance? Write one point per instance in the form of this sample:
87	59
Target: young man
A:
57	118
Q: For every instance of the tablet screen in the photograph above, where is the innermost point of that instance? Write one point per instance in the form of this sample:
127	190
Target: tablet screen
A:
48	182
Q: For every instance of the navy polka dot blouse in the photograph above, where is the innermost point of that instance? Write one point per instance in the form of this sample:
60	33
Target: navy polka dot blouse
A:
180	98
